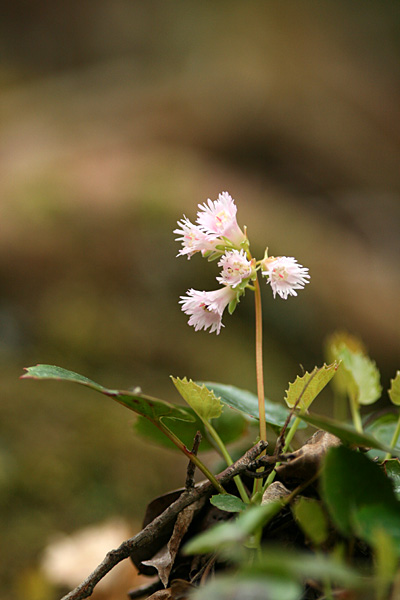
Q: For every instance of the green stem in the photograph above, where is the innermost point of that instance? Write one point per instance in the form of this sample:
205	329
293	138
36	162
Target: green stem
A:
394	439
355	413
288	440
193	457
228	459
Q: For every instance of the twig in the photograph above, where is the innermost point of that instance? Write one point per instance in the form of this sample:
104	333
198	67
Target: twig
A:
189	484
112	558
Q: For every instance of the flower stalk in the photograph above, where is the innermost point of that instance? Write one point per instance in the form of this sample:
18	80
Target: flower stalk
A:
259	361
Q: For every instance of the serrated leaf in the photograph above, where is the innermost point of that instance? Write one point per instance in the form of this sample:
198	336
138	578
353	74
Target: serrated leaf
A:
333	344
247	402
151	408
394	391
347	433
203	401
228	502
306	388
363	376
350	482
230	426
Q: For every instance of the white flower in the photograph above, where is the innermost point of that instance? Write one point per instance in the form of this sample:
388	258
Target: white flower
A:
206	308
285	275
235	268
219	217
194	239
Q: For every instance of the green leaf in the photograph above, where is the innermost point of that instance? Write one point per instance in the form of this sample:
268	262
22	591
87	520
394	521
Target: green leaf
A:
303	566
394	391
148	407
347	433
247	403
311	518
228	502
233	532
383	428
203	401
230	426
247	587
334	343
306	388
386	561
392	468
350	482
370	519
363	376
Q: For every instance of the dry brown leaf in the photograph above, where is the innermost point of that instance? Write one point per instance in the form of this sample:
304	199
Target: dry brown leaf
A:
274	492
304	463
164	560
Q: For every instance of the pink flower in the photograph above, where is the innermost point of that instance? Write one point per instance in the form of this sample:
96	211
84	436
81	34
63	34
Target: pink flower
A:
219	218
205	308
194	239
285	275
235	268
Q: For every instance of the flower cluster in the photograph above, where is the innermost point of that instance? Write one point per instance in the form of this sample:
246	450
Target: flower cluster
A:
216	226
216	234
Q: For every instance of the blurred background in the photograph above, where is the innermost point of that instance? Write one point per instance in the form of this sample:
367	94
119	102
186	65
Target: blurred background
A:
115	119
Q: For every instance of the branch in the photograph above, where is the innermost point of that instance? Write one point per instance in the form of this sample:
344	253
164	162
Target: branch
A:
190	495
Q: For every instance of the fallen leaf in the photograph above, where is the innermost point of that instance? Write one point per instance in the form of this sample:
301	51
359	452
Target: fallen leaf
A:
305	462
164	560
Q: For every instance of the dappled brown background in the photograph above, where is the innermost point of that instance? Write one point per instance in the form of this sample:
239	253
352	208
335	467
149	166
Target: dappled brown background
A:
117	118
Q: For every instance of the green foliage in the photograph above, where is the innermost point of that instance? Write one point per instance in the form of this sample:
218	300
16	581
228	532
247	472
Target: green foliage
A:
348	434
247	403
282	572
305	389
386	561
374	517
334	343
392	469
228	503
235	531
301	566
353	486
230	426
248	587
148	407
363	381
311	518
383	428
394	391
360	496
202	400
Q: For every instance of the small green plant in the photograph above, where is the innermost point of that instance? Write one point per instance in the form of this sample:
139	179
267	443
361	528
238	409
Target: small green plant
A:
317	522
